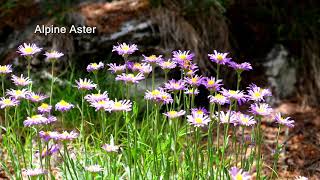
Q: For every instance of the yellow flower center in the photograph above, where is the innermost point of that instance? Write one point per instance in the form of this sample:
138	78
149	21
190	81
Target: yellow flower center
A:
102	102
194	80
244	119
176	85
137	65
7	101
95	65
35	116
200	112
256	94
198	120
28	49
167	63
153	57
36	97
183	56
164	97
20	80
63	103
44	105
155	92
211	82
3	68
219	57
117	104
173	113
18	92
219	96
125	47
233	92
130	76
239	176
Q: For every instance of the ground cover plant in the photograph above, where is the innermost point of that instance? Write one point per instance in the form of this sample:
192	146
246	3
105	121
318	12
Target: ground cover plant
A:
94	128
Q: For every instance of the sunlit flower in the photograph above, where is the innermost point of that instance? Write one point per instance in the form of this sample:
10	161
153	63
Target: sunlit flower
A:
191	70
85	84
38	120
257	94
153	59
239	174
194	81
130	78
192	91
181	57
167	65
199	111
44	108
240	67
159	96
245	120
174	85
17	94
5	69
52	150
20	81
93	67
97	97
145	69
219	58
226	117
234	95
64	136
36	97
8	102
198	120
123	105
174	114
116	69
103	104
261	109
135	67
284	121
110	147
218	99
63	106
28	49
94	168
53	55
125	49
212	84
34	172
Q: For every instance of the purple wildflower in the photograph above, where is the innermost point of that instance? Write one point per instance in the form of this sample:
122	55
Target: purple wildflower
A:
284	121
20	81
167	65
218	99
63	106
102	104
8	102
261	109
36	97
44	108
237	174
97	97
174	85
181	57
257	94
34	172
85	84
174	114
219	58
38	120
194	81
17	94
125	49
5	69
199	111
198	120
53	55
234	95
240	67
116	69
212	84
245	120
153	59
123	105
130	78
28	49
94	67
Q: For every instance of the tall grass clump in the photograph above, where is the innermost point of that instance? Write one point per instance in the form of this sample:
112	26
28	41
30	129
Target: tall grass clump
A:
97	128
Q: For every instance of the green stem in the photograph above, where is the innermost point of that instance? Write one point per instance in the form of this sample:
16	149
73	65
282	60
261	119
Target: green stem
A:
276	155
52	81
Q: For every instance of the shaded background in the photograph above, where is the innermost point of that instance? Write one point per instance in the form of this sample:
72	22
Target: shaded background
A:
280	38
